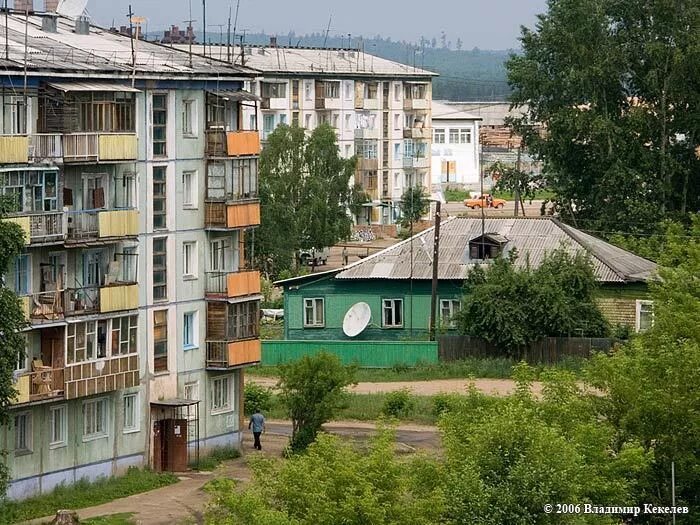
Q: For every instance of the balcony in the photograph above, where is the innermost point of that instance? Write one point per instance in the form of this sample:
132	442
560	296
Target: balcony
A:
222	143
417	133
14	149
370	103
274	103
416	162
41	228
46	147
222	355
97	147
223	216
365	133
230	285
416	103
92	300
44	307
101	376
43	384
87	225
367	164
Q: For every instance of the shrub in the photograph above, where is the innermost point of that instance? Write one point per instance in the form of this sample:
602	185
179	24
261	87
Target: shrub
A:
398	404
256	397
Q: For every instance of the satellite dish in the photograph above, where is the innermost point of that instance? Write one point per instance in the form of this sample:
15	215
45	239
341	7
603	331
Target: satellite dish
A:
71	8
356	319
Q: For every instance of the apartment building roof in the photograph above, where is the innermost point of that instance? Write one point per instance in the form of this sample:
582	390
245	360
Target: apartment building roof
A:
288	61
450	112
55	46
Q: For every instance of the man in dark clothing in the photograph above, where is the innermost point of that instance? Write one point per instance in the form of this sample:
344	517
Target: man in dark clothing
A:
257	424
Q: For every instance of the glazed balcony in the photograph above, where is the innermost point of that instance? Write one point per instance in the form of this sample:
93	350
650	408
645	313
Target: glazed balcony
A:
222	143
222	355
231	285
92	225
225	216
41	228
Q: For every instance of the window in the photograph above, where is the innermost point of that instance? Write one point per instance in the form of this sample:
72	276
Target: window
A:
189	256
125	191
124	335
645	315
348	124
160	272
244	320
86	341
313	312
331	89
94	419
348	91
348	151
448	310
30	191
295	119
104	111
335	121
189	118
23	433
439	135
131	413
189	189
192	391
221	394
58	422
22	274
307	121
308	90
392	313
160	121
366	149
129	259
160	341
268	124
217	255
397	121
189	331
273	90
465	136
397	151
454	136
159	198
397	92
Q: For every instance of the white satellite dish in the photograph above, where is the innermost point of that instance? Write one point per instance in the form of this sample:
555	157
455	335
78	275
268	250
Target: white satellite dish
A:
71	8
357	319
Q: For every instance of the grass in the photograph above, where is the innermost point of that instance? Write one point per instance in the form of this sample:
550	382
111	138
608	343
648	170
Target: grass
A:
272	330
85	494
111	519
452	195
215	458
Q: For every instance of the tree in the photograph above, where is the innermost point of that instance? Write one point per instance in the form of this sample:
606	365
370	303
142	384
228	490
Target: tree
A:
512	179
358	197
512	305
413	206
312	389
12	321
459	44
614	84
304	194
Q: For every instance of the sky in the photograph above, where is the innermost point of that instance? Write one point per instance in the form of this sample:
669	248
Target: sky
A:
486	24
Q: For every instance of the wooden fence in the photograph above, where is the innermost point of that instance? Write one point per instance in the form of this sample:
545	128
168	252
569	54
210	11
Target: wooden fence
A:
545	351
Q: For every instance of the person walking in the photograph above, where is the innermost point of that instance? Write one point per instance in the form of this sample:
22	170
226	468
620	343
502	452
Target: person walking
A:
257	424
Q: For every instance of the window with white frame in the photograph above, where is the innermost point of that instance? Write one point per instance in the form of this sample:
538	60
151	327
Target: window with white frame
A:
189	189
307	121
448	312
397	151
398	89
314	312
348	91
189	330
439	135
191	391
331	89
392	313
308	90
454	136
645	315
86	341
222	394
94	419
58	426
23	433
348	151
189	259
348	123
397	120
131	413
22	280
465	136
189	118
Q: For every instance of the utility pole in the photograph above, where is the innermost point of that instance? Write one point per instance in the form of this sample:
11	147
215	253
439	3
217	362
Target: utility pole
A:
204	26
228	37
436	257
517	184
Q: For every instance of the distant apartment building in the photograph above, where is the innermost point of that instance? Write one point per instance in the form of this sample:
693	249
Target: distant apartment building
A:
175	35
135	183
455	151
380	109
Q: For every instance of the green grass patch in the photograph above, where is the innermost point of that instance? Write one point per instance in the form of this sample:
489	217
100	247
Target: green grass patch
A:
111	519
215	458
85	494
453	195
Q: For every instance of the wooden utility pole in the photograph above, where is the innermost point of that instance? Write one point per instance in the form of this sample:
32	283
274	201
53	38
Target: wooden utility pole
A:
517	184
436	257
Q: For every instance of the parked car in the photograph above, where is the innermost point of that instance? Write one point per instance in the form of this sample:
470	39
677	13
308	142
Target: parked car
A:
485	201
314	256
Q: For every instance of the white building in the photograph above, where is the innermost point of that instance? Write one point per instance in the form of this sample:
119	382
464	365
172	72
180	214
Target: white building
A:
455	151
381	110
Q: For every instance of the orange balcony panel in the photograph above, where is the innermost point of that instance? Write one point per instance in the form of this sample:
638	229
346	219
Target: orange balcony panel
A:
240	284
243	215
243	143
244	352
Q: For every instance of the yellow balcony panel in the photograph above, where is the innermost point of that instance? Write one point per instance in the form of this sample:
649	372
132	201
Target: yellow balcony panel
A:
241	143
244	352
118	223
14	149
26	303
243	215
22	385
118	146
240	284
25	224
119	297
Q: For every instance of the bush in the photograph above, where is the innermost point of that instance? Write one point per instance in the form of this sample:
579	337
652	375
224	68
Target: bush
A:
256	397
398	404
443	403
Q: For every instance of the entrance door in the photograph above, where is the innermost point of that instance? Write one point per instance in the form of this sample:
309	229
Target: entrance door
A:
170	445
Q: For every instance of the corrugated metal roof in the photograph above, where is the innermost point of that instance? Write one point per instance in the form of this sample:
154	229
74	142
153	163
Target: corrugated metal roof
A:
92	86
239	95
532	238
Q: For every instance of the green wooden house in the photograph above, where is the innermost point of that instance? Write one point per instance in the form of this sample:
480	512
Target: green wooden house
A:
396	282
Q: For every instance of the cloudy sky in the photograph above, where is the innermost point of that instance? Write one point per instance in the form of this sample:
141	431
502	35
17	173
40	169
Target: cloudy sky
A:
487	24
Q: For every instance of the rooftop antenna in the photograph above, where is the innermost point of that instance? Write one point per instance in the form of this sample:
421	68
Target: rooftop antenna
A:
189	32
7	39
328	29
134	21
235	24
26	58
204	25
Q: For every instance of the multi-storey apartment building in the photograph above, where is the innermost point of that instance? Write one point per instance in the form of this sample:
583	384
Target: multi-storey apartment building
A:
380	109
134	177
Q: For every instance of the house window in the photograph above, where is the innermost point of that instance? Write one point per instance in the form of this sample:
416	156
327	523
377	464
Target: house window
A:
189	189
129	265
189	330
448	312
58	426
22	274
30	191
221	395
335	121
307	121
189	256
397	92
348	151
159	198
366	149
397	151
104	111
308	89
439	135
86	341
125	335
295	119
191	391
454	136
160	272
217	255
331	89
125	191
348	124
160	341
273	90
314	312
160	121
348	91
465	136
397	121
189	118
392	313
23	433
244	320
645	315
268	124
94	419
283	118
131	413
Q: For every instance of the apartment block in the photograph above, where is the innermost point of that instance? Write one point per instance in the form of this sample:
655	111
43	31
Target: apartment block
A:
380	109
134	178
